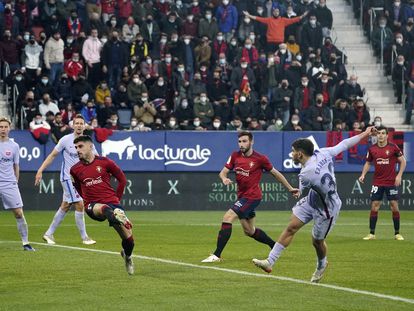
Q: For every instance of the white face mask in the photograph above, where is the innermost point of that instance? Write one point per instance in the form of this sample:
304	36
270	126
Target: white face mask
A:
149	61
233	43
399	40
196	123
260	11
377	123
172	123
45	81
248	46
163	41
104	40
298	58
295	122
168	59
141	125
160	83
312	22
19	78
144	99
279	122
244	66
305	84
400	63
180	69
222	61
252	37
203	99
242	99
113	23
186	41
247	20
134	123
216	124
208	16
283	51
184	105
225	2
135	80
219	38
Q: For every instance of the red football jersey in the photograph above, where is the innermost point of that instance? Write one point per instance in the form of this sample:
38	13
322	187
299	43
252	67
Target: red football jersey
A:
92	181
248	173
384	158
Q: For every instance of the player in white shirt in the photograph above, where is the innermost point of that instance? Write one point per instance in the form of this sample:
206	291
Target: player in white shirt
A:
9	177
322	203
67	148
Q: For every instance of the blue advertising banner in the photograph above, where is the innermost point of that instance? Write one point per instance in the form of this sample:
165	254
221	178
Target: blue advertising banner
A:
176	151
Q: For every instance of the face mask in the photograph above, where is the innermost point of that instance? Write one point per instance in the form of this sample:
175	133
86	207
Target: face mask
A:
184	105
216	124
196	123
104	40
305	84
149	61
295	122
168	59
38	121
19	78
141	125
248	46
377	123
242	99
180	69
299	58
149	20
135	80
222	61
353	83
190	18
244	66
382	25
397	4
400	63
324	80
163	41
279	122
187	41
283	51
252	37
399	40
203	99
208	16
172	123
26	37
225	2
195	3
45	81
179	3
174	39
144	99
247	20
233	43
104	86
114	121
220	38
134	123
312	22
160	83
113	23
260	11
75	59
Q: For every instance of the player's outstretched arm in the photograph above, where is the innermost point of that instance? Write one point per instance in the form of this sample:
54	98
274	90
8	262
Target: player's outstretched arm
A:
280	178
223	176
365	170
349	142
50	158
403	164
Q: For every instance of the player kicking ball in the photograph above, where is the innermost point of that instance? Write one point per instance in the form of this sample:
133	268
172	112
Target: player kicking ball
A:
322	203
91	177
248	166
385	156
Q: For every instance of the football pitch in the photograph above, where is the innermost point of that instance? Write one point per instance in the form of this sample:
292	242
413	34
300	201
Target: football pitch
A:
362	275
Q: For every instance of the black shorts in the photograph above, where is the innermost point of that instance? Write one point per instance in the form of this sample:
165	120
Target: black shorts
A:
377	193
89	210
245	208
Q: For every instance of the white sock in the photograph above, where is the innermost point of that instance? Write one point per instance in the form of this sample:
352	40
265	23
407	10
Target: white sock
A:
80	222
321	262
275	253
59	216
23	230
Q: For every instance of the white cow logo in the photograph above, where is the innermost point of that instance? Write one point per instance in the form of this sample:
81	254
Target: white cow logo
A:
119	147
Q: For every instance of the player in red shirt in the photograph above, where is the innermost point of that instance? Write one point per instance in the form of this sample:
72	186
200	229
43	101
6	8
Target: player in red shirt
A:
248	166
385	156
91	177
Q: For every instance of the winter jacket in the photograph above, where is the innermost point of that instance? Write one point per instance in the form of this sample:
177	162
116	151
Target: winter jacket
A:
53	51
227	17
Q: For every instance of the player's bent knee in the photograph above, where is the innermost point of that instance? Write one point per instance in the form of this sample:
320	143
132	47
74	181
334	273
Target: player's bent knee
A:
18	213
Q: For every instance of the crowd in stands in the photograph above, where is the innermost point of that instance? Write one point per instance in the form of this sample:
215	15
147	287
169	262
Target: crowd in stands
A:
179	65
390	27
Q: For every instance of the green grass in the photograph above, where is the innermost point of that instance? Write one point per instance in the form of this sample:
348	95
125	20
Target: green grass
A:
65	279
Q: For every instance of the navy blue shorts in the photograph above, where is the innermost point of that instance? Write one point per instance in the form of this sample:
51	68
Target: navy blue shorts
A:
89	210
245	208
377	193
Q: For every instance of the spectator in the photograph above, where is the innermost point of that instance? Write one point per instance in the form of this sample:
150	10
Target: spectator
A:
223	110
312	36
240	75
112	122
121	100
246	108
171	124
227	17
303	97
30	109
184	113
40	129
10	50
384	32
104	111
196	87
249	52
359	114
32	61
73	68
208	26
63	90
144	110
324	16
130	30
46	104
150	31
401	47
282	101
91	52
135	89
59	129
235	125
81	92
203	53
351	90
88	111
295	124
203	109
320	115
276	125
341	112
245	28
53	56
400	76
159	90
275	27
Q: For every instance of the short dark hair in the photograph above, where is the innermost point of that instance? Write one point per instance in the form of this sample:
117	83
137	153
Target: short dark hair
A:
83	138
303	144
245	133
79	116
382	128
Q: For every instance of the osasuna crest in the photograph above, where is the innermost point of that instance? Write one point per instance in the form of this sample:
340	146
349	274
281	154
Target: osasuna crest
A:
387	152
251	164
99	169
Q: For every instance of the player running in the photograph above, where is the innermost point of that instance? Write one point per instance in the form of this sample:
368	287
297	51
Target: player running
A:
92	176
322	203
248	166
385	156
66	147
9	177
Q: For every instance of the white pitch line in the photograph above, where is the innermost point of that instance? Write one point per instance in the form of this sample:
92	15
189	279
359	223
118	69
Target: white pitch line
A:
240	272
